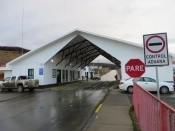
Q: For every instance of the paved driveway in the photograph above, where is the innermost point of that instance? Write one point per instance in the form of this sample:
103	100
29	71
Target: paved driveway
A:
64	108
109	76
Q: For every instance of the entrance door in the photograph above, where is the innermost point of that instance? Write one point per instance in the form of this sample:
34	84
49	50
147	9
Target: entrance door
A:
58	76
63	73
91	77
70	75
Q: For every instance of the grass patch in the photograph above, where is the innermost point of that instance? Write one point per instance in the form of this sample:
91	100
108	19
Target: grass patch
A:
134	119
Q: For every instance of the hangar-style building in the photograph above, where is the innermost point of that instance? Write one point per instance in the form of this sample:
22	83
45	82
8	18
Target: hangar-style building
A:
63	59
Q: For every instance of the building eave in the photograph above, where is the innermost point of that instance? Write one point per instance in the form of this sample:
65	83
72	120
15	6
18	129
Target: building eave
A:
73	32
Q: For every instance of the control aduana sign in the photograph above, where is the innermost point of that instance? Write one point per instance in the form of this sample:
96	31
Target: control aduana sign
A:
156	49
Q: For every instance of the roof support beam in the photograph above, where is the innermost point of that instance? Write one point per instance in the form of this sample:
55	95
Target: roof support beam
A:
72	45
84	61
91	60
83	56
77	55
70	60
73	51
69	52
82	48
107	55
81	53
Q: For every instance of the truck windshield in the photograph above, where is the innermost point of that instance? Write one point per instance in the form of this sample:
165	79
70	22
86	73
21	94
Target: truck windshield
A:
7	79
13	78
22	77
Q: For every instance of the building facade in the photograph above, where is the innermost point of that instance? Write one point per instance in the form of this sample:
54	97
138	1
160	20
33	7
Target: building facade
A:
64	59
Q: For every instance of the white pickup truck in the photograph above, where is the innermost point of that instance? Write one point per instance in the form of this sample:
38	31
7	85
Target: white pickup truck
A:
18	82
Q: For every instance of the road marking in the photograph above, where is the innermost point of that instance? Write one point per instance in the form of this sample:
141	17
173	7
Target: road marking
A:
99	107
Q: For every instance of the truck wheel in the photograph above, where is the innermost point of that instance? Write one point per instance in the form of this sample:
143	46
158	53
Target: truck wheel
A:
31	89
20	88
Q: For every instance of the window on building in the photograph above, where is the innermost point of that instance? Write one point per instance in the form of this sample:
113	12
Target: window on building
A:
31	73
53	73
70	75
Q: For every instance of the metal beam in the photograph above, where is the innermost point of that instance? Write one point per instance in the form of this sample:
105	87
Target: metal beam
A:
69	52
107	55
83	52
70	60
88	58
72	45
91	60
74	50
77	55
82	57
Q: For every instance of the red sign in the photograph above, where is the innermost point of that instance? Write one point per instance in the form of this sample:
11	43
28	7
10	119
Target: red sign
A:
150	46
135	68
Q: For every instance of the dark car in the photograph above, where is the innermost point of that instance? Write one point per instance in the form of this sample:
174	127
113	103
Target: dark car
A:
97	77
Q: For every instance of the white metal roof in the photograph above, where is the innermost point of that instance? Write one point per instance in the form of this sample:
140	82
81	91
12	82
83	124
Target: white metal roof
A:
77	31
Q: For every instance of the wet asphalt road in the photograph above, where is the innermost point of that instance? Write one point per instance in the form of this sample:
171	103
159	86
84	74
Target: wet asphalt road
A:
66	108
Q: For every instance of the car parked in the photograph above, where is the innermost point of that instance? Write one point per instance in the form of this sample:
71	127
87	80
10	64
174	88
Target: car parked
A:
147	83
96	77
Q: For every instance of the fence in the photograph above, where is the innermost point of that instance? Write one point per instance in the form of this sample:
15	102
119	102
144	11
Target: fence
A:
152	113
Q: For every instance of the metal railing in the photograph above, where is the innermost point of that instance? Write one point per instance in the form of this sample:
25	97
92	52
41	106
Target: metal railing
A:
152	113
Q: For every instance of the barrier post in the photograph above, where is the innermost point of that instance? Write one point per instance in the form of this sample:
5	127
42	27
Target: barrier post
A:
164	121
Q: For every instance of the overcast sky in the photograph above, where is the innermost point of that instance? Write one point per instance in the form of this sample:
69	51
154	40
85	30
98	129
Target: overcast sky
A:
47	20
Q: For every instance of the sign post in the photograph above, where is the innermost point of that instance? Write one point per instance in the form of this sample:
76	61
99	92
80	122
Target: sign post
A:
156	52
157	79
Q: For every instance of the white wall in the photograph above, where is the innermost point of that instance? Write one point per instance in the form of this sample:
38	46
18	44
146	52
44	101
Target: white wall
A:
22	69
124	52
49	66
42	57
7	74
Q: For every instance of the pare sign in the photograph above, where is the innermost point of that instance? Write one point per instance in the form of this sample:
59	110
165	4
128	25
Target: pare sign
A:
135	68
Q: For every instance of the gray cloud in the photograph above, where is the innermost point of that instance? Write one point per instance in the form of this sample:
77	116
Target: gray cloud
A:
46	20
